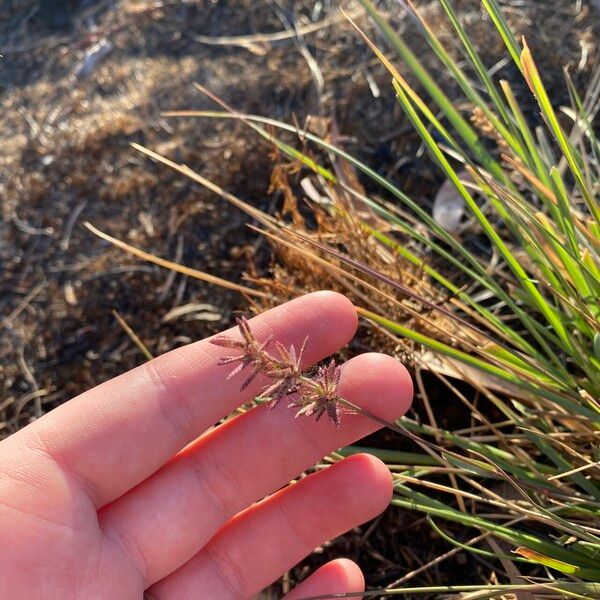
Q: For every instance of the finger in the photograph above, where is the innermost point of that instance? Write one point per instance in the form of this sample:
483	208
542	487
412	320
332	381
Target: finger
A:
262	542
336	577
119	433
170	516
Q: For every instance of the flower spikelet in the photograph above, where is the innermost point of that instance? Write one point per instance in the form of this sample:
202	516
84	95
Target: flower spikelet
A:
252	353
320	396
286	374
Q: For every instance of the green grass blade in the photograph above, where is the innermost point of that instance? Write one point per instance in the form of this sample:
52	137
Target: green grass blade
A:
423	503
466	86
536	161
490	231
437	346
537	87
505	31
460	124
476	61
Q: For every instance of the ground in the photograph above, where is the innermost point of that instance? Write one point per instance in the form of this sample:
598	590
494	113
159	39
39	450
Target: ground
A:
66	159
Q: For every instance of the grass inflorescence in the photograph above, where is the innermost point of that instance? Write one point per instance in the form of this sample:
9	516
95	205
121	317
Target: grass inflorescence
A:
311	393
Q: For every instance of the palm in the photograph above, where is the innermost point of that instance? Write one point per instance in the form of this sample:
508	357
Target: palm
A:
60	547
114	493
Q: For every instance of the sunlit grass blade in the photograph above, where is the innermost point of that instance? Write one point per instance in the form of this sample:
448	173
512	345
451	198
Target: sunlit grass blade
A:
517	269
466	86
132	335
537	87
559	565
413	499
167	264
476	61
560	589
534	157
460	124
493	9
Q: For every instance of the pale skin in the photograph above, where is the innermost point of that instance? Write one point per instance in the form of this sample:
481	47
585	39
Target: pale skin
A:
129	490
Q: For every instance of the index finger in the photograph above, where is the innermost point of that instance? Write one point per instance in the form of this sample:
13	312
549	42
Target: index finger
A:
114	436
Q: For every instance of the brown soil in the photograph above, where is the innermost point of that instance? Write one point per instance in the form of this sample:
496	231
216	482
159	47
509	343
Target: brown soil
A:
66	159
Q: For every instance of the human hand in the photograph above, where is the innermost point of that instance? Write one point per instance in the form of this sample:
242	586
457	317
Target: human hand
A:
114	493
